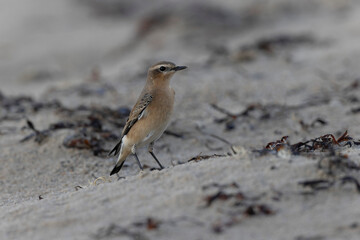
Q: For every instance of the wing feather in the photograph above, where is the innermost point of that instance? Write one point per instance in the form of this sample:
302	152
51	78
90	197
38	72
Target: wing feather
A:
134	116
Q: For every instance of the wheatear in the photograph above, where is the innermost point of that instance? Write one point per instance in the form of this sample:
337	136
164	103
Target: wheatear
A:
150	116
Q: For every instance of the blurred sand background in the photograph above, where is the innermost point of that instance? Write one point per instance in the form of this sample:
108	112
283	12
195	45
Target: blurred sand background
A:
84	62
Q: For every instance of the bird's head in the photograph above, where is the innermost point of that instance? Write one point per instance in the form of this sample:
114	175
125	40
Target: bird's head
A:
163	71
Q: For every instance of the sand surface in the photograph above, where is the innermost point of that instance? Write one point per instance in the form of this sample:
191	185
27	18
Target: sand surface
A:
74	68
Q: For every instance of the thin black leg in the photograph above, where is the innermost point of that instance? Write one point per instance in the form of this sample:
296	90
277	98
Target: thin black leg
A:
152	154
150	149
138	161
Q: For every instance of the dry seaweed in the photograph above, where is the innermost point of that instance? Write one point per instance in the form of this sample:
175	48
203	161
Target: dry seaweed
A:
355	110
322	143
353	86
258	209
114	230
263	112
93	89
335	162
331	162
238	205
315	237
85	140
174	134
314	123
39	136
149	223
213	136
87	134
138	229
15	108
351	179
204	157
317	184
271	45
91	126
324	184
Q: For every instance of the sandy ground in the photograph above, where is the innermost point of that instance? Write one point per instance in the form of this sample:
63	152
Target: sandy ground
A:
293	64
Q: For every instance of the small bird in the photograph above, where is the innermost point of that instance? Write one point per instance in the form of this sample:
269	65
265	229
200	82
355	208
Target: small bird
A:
150	116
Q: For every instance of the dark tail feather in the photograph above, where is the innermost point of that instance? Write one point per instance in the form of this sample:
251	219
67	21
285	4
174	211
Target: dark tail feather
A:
117	168
116	149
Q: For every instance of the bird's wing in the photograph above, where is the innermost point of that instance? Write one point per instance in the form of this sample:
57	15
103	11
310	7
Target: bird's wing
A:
135	114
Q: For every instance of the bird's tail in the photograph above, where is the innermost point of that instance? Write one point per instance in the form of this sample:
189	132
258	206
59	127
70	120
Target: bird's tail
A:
116	149
120	162
117	168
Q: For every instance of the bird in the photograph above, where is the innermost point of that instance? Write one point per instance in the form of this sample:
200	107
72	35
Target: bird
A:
150	115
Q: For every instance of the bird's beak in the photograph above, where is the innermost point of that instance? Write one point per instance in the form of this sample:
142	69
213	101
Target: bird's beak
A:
178	68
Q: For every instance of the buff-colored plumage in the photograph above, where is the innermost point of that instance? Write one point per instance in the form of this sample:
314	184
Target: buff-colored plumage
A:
150	115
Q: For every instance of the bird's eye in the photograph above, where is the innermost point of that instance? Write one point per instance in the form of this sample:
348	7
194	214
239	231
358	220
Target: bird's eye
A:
162	68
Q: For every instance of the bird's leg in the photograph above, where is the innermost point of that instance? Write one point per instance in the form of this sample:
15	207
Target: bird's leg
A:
133	150
150	149
138	161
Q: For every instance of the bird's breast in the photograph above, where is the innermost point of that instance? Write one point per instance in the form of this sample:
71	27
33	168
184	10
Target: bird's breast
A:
154	119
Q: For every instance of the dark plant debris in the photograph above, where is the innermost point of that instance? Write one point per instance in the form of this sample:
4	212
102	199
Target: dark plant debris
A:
331	163
350	226
238	204
336	162
315	237
327	142
221	186
15	108
85	142
265	112
351	179
313	124
149	224
214	136
114	230
91	127
96	88
317	184
135	230
174	134
271	45
204	157
353	86
355	110
39	136
139	229
89	133
258	209
324	184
